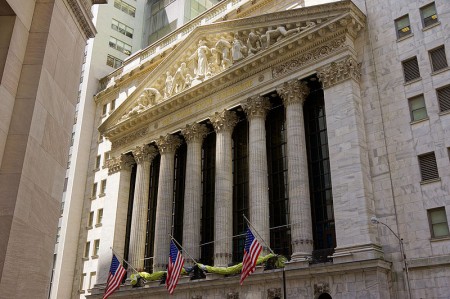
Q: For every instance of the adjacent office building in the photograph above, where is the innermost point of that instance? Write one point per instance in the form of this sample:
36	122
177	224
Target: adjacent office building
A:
326	125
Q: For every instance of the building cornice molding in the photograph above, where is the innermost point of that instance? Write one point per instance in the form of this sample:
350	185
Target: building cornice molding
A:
338	71
82	16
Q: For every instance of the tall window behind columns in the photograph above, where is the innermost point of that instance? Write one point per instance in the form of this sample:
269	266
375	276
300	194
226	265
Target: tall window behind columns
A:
151	215
280	233
178	189
129	213
208	184
240	186
319	174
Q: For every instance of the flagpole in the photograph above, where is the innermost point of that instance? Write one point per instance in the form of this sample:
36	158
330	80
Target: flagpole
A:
248	221
124	260
184	250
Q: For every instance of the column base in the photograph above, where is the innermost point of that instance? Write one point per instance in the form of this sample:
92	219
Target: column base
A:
359	252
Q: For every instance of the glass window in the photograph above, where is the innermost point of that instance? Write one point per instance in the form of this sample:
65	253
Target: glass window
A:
94	191
438	223
99	216
429	15
417	108
83	276
411	69
438	59
103	187
96	247
112	105
90	219
443	95
97	162
104	109
86	249
403	26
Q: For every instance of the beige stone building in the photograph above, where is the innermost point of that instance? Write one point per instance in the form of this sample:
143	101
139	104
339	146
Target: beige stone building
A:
315	121
41	52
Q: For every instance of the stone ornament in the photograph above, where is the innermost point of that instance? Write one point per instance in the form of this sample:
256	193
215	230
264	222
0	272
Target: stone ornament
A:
211	57
224	121
116	164
257	106
274	293
130	137
321	287
144	153
194	133
168	144
293	91
339	71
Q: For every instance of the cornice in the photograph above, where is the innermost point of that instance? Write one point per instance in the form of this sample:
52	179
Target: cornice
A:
83	17
292	53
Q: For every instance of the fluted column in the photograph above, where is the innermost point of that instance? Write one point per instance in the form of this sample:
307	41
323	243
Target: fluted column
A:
143	156
194	135
294	94
167	146
256	109
223	123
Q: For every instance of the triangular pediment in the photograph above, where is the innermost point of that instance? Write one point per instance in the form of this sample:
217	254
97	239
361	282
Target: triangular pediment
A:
216	53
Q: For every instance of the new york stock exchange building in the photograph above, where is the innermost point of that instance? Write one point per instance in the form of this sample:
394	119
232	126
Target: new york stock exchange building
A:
289	117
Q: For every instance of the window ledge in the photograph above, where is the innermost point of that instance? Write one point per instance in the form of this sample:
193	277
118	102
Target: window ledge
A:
419	120
98	225
101	195
85	259
93	197
89	227
437	239
413	81
96	169
94	257
430	181
444	112
405	37
440	71
431	26
100	141
81	291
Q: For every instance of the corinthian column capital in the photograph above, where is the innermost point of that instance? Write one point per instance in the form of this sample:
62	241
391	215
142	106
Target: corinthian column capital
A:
293	91
224	121
256	106
144	153
116	164
168	144
338	71
194	133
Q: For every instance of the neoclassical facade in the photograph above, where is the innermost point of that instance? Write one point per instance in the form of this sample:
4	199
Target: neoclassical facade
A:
266	115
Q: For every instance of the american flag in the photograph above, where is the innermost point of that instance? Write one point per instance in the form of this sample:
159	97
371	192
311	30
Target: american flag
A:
252	249
176	262
116	273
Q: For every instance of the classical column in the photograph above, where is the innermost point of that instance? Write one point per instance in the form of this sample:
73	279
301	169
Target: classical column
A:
256	109
194	135
143	155
223	123
294	94
114	221
167	146
353	199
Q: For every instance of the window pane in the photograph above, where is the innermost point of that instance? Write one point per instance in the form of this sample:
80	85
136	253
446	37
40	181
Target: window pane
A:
429	11
438	216
440	230
419	114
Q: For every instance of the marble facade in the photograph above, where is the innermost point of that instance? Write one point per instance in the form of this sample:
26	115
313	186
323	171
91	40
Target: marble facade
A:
237	63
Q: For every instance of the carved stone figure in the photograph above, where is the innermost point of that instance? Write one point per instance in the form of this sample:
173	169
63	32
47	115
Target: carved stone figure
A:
169	85
253	42
238	49
188	81
275	35
152	95
224	47
179	79
201	56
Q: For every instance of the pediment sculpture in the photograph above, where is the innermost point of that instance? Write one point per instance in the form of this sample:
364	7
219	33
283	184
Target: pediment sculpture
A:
211	57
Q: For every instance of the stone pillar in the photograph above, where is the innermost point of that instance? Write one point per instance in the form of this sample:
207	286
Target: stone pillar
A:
114	221
167	146
194	135
143	155
223	123
294	94
256	109
353	199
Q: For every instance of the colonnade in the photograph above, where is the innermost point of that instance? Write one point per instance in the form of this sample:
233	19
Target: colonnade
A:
293	94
